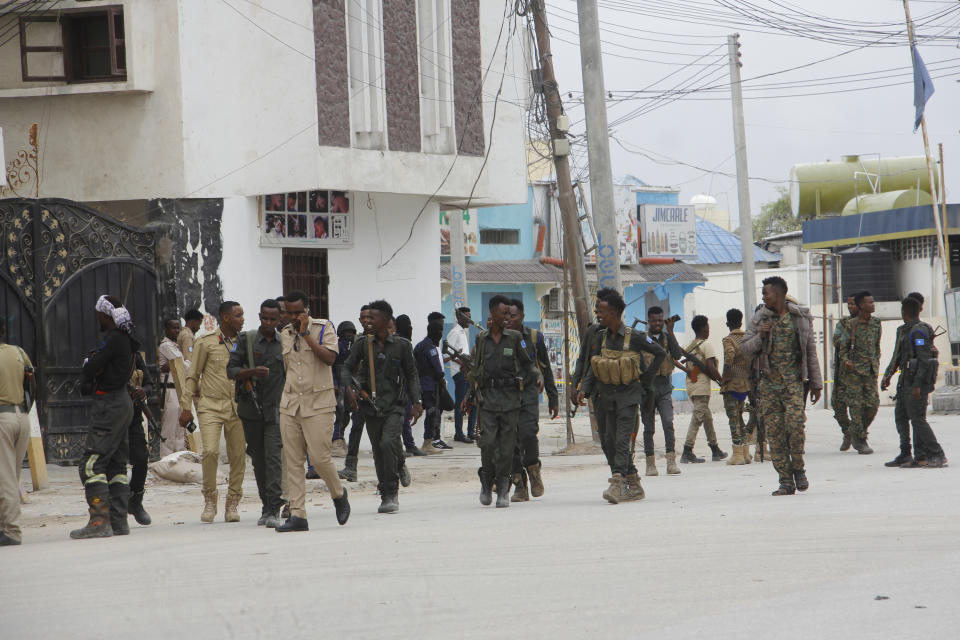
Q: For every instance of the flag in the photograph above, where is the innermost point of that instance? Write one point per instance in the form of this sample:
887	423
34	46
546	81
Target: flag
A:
922	85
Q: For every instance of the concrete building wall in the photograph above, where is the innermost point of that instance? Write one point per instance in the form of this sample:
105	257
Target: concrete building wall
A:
518	216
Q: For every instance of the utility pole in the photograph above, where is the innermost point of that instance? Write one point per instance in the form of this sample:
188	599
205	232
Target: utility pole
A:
573	257
943	204
598	147
743	182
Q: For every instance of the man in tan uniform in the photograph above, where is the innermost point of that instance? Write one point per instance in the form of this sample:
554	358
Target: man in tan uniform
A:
186	338
307	408
217	409
170	421
14	436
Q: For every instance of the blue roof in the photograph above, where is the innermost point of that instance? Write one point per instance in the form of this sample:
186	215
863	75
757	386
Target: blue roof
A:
716	245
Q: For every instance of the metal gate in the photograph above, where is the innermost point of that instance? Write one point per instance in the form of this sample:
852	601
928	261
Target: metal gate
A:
59	256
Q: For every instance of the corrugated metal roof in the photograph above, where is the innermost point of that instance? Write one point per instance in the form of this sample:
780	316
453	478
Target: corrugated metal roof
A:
521	271
716	245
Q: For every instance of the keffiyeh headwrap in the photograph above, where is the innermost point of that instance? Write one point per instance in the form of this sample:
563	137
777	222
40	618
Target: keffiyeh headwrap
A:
121	317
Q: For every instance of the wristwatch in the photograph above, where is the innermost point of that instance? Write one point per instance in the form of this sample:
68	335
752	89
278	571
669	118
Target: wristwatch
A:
304	334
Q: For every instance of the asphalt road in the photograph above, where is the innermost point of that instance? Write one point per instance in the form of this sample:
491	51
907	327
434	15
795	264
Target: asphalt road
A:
867	552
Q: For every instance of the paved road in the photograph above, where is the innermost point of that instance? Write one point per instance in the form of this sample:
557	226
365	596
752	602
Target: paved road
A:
709	553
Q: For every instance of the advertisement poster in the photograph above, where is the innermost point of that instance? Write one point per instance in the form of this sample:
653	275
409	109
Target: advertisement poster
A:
669	231
625	203
471	233
316	218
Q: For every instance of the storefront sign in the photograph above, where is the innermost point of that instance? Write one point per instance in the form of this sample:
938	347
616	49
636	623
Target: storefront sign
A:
669	231
318	218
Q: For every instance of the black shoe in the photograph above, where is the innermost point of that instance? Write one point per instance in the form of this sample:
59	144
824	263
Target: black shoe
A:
293	523
911	463
847	441
405	478
440	444
862	447
312	474
503	492
784	490
900	460
415	451
7	541
348	474
388	503
688	456
462	438
718	455
342	505
135	508
800	478
486	488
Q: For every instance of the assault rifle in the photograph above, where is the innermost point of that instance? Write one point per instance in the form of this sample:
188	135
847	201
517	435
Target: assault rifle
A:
465	360
363	397
699	367
153	428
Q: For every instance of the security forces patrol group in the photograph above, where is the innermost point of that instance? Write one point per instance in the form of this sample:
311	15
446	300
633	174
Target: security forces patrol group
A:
273	394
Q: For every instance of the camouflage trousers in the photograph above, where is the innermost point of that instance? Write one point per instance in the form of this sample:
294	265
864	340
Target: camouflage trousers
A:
838	402
863	401
783	419
701	415
734	409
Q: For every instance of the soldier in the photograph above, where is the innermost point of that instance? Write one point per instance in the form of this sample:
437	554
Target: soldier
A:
15	369
699	392
307	408
782	335
858	352
187	336
103	467
613	377
170	413
380	376
662	398
735	386
838	401
140	388
918	375
346	334
526	459
349	471
217	411
426	355
502	362
257	367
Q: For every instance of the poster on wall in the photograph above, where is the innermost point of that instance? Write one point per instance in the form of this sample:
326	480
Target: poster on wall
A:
471	233
669	231
316	218
952	300
624	202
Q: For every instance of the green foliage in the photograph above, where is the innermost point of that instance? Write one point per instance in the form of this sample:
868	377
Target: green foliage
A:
776	217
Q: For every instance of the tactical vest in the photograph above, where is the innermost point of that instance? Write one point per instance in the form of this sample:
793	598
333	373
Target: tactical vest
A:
616	367
667	366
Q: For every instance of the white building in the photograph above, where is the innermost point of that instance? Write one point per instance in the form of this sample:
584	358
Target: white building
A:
184	116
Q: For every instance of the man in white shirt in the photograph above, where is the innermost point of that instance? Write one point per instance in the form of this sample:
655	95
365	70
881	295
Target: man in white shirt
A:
170	421
699	391
459	339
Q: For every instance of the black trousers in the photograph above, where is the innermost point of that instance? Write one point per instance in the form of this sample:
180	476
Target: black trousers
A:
662	404
265	449
527	451
384	434
908	411
353	441
106	448
616	425
137	452
498	441
431	416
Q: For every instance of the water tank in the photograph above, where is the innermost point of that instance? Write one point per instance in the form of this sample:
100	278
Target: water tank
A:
889	200
869	267
824	188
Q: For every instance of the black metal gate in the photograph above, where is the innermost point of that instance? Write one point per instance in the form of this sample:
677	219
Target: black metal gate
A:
59	256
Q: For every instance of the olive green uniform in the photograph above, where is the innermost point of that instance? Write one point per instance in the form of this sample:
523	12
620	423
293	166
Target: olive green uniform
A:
528	447
917	371
735	384
860	344
838	401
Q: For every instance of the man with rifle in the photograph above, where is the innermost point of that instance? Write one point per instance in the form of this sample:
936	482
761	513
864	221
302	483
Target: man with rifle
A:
701	355
661	400
735	387
257	367
858	357
140	388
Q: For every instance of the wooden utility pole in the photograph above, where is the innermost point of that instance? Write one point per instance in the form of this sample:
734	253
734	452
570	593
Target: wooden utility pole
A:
565	198
743	180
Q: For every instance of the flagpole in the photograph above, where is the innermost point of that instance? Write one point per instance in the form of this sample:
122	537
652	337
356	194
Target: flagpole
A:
944	259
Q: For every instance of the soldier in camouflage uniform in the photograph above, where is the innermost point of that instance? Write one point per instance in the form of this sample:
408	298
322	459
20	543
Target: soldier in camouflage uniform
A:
735	387
838	401
858	353
917	365
782	335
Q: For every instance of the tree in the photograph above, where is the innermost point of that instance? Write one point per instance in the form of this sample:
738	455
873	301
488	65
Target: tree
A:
776	217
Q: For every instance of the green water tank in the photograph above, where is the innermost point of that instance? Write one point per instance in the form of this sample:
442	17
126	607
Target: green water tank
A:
824	188
886	201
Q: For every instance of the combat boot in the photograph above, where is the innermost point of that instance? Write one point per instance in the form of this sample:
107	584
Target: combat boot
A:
614	492
428	448
672	468
230	512
389	503
784	490
338	448
745	449
536	479
860	444
405	478
718	455
98	500
520	493
119	503
349	471
800	478
135	508
342	506
652	466
486	488
688	455
737	457
900	459
632	489
209	507
503	492
847	441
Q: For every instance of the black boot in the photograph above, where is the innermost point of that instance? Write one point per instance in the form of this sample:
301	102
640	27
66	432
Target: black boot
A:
688	455
800	478
349	471
119	504
860	444
135	508
342	505
503	492
98	499
389	503
486	489
293	523
903	458
718	455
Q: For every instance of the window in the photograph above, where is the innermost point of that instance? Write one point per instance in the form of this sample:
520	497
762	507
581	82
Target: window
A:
306	270
499	236
82	46
367	98
436	76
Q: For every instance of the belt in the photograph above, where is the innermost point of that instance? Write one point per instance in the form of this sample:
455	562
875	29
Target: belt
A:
9	408
500	383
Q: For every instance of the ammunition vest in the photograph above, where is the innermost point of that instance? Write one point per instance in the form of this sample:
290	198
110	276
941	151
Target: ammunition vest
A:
667	366
616	367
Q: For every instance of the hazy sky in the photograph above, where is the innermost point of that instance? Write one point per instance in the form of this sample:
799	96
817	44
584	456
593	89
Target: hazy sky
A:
781	131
